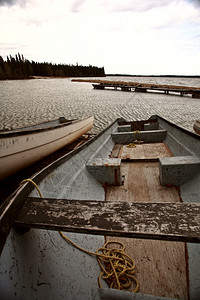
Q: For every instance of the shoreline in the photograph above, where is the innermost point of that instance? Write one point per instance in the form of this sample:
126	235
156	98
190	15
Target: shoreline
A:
106	75
35	77
167	76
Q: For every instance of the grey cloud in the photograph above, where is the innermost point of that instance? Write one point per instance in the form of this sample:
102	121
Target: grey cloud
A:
77	5
195	2
119	5
7	2
127	5
12	2
134	5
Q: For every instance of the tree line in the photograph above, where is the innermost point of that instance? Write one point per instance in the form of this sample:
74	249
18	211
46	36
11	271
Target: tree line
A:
17	67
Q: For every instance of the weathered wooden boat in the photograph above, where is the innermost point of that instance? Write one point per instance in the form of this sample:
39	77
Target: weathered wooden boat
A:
196	126
138	182
22	147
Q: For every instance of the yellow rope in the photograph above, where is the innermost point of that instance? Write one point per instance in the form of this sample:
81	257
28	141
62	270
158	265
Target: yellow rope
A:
117	268
30	180
133	144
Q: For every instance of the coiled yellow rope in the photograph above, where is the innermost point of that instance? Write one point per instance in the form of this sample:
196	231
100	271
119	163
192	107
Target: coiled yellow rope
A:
133	144
117	268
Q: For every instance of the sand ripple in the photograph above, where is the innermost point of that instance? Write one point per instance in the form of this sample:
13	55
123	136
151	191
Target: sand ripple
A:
25	102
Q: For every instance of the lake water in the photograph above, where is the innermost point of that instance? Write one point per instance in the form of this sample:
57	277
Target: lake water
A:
26	102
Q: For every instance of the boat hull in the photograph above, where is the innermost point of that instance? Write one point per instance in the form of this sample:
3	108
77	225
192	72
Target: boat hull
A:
20	151
39	263
196	126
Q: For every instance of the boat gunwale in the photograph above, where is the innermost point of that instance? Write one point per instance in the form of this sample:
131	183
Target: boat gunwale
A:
11	207
186	131
154	117
50	142
196	127
27	129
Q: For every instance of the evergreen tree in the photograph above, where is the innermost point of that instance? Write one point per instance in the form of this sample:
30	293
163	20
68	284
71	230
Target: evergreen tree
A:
19	68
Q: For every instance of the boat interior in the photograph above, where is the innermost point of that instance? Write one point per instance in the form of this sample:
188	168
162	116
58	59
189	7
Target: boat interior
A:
148	171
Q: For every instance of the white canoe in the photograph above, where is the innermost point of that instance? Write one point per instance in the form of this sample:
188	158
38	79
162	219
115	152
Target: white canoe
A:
196	126
22	147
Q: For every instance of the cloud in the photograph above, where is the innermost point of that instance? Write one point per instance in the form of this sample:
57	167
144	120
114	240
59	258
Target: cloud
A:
11	48
77	5
7	2
12	2
160	34
195	2
133	5
117	5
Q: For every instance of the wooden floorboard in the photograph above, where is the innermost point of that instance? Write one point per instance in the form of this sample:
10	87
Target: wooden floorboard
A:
160	265
145	151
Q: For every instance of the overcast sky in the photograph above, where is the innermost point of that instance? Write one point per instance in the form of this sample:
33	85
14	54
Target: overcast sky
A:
124	36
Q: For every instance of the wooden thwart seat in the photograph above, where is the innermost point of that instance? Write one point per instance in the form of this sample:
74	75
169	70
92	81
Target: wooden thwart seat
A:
152	136
178	170
106	170
163	221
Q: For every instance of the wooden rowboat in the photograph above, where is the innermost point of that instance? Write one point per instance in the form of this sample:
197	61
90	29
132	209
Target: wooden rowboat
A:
22	147
196	126
135	182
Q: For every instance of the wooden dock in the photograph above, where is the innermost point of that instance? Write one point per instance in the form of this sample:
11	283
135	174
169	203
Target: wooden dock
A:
124	86
143	88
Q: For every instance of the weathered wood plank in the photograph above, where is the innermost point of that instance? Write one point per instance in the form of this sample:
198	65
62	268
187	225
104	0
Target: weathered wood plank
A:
116	151
145	151
138	125
160	265
165	221
152	136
